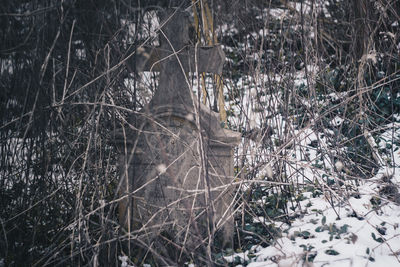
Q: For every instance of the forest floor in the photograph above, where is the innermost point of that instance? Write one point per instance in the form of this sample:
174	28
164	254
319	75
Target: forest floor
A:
350	222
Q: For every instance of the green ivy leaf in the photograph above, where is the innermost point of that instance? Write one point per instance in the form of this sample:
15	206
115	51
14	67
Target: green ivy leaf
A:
343	229
379	239
306	234
331	252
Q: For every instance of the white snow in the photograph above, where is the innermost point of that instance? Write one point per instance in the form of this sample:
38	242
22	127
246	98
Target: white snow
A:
340	230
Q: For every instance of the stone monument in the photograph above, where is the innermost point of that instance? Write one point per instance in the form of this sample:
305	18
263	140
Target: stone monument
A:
176	160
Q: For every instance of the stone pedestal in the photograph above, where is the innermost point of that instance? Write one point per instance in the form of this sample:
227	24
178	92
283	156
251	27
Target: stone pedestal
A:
168	189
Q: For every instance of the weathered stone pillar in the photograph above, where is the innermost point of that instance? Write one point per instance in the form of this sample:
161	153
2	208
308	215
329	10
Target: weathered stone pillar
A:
177	161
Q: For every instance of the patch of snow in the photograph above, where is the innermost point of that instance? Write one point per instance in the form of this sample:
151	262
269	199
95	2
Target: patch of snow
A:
337	121
124	262
339	227
161	168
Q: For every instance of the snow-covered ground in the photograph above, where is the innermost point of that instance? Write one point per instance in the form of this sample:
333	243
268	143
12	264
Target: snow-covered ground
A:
358	227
